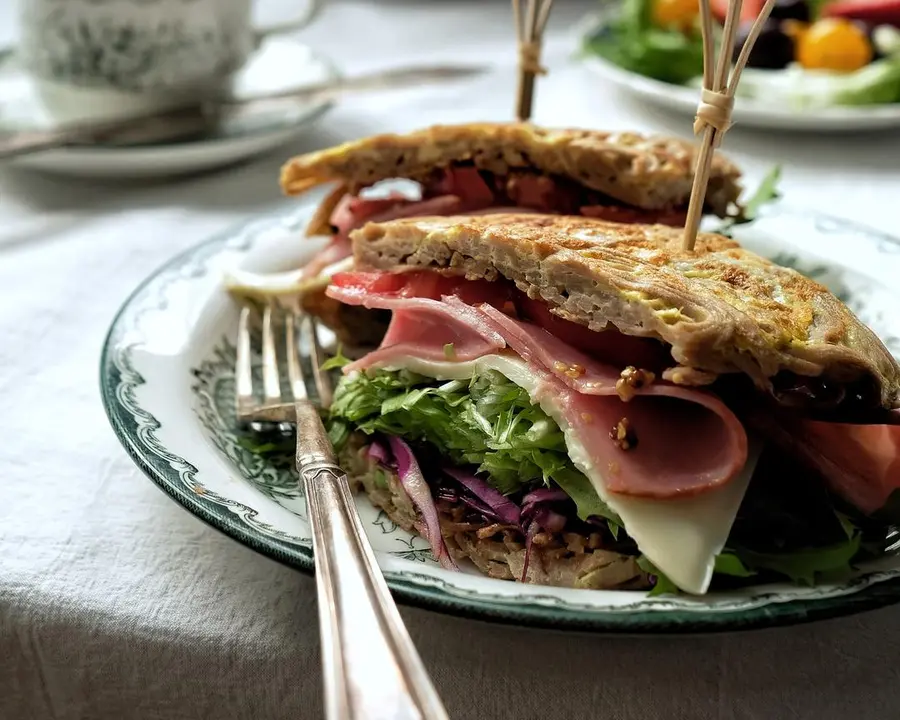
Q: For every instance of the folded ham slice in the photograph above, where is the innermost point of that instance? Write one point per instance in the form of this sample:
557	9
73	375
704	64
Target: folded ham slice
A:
684	442
424	328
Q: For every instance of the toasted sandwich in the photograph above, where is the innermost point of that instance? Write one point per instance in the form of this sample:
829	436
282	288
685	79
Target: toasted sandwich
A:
489	168
574	402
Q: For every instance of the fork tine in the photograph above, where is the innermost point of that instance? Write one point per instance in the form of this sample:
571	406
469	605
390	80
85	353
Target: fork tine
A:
271	381
323	382
298	386
243	372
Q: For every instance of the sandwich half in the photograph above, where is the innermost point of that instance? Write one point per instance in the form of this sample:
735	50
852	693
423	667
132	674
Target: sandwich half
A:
574	402
488	168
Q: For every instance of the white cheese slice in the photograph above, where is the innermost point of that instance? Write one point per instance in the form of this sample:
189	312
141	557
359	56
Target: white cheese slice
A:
264	286
680	537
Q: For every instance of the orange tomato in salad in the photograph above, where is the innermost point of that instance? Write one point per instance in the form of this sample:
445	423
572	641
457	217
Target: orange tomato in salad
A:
681	14
834	44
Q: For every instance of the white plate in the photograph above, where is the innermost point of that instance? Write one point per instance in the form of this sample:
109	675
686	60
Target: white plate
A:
167	379
279	63
747	113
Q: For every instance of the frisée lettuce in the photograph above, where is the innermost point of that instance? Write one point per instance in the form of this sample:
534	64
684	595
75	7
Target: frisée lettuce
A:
488	421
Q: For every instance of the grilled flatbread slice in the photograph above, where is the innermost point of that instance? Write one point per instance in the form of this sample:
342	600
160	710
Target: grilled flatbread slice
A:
652	173
721	308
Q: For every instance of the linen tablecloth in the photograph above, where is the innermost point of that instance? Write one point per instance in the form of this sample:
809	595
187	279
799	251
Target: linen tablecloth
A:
116	603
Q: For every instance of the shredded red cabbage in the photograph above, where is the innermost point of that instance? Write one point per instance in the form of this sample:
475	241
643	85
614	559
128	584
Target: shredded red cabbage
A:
544	495
502	507
417	488
549	520
532	530
379	453
540	509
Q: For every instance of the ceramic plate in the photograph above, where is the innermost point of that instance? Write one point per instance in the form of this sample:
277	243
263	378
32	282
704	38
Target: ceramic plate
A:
167	383
747	112
279	63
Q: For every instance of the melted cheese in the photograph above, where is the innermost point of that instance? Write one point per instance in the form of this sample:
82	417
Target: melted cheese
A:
265	286
681	537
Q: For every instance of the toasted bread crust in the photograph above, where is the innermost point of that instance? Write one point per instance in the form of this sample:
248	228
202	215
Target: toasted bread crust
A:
722	308
650	172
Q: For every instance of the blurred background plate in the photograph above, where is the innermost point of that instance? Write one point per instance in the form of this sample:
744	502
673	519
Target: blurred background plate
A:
279	63
749	113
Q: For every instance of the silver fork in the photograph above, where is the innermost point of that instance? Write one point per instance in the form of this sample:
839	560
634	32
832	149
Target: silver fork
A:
370	665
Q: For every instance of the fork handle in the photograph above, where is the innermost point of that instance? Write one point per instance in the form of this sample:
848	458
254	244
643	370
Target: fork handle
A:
371	667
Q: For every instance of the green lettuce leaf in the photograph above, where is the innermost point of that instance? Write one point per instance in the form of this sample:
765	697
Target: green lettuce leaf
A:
767	192
489	422
632	42
730	564
663	585
336	362
806	566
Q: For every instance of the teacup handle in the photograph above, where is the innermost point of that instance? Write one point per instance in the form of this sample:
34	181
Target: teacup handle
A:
305	18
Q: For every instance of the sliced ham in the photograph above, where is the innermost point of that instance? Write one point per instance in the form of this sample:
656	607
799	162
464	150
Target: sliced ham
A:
352	211
687	441
424	328
421	284
860	462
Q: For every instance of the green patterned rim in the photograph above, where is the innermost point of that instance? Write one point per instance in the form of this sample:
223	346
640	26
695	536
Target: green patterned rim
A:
137	430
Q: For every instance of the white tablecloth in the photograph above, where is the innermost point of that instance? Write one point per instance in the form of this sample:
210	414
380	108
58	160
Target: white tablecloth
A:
116	603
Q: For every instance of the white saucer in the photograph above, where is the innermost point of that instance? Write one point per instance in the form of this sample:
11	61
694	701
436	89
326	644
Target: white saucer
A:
279	63
747	112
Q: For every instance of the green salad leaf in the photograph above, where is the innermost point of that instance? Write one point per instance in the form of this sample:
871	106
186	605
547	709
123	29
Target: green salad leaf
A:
662	586
632	42
487	421
730	564
805	566
766	192
875	84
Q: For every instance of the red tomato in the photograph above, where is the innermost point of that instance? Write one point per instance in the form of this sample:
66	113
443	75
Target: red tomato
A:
609	346
749	10
874	12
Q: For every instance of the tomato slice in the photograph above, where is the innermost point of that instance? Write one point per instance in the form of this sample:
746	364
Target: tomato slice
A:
609	346
749	9
874	12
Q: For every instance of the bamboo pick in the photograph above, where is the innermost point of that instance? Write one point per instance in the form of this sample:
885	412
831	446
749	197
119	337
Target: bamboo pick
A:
716	100
529	36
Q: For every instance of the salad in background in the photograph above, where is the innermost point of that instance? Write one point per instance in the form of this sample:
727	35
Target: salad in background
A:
811	53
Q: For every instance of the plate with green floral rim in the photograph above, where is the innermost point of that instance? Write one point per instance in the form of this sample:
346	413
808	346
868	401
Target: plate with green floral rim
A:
167	384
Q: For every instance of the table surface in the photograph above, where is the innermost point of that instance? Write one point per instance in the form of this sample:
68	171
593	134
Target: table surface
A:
115	603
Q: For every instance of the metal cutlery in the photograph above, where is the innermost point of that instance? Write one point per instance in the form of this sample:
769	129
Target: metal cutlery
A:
371	667
195	118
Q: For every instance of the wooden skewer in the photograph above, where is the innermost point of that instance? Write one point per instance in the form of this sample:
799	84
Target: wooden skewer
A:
529	36
716	100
